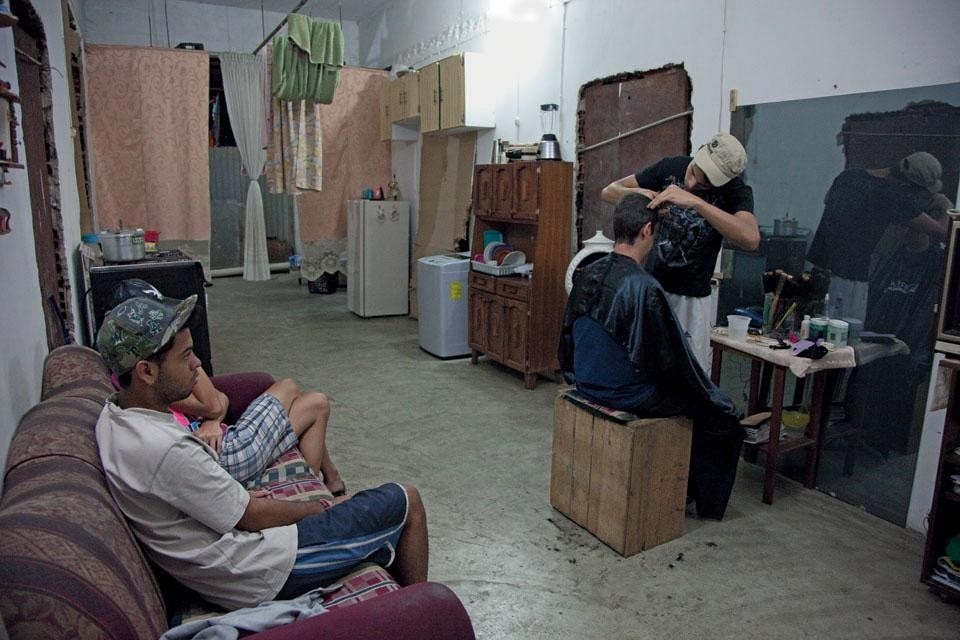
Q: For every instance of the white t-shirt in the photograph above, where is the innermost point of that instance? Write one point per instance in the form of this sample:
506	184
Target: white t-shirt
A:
183	508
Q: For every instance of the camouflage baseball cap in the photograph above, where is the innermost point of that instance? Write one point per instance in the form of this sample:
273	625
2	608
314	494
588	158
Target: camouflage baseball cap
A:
137	328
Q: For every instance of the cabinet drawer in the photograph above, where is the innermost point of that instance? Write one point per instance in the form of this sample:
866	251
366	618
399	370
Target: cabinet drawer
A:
514	288
483	282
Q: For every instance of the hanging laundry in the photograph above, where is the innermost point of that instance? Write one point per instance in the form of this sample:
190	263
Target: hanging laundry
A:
294	142
306	62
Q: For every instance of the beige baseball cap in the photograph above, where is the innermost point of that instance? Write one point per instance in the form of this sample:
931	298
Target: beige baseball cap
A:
721	159
923	170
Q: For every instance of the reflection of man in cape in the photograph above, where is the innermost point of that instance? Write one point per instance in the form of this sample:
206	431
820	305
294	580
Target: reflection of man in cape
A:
623	347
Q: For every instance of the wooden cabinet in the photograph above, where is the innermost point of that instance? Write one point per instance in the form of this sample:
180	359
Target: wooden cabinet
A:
513	320
456	94
405	98
944	519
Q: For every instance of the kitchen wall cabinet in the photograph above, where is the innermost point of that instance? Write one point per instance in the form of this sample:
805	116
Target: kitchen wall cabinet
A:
515	320
456	95
944	518
405	98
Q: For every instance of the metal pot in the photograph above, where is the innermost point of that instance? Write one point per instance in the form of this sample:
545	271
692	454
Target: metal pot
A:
122	246
785	227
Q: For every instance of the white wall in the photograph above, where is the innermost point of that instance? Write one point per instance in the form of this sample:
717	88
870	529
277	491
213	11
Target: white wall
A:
23	342
768	51
219	28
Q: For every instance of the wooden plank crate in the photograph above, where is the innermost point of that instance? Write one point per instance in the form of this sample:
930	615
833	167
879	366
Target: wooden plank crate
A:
624	482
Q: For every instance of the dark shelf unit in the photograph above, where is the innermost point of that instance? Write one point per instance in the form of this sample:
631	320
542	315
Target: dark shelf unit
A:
944	519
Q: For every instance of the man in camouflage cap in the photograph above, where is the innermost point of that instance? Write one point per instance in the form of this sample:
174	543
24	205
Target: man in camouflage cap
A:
197	522
138	328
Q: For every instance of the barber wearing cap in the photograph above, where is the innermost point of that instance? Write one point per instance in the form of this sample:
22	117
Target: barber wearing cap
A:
702	200
197	522
858	208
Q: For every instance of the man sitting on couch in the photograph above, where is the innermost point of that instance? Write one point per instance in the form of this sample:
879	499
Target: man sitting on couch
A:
199	524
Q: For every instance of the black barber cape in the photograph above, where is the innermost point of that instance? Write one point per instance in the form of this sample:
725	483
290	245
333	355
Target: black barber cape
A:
631	306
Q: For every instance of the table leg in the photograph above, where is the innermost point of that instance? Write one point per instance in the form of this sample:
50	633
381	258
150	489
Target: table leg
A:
773	446
766	373
753	399
750	453
715	367
817	417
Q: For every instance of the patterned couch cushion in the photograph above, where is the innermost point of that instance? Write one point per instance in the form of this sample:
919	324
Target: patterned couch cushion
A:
69	564
290	478
75	370
60	426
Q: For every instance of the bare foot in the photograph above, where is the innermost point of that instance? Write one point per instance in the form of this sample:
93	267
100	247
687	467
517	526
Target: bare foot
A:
336	486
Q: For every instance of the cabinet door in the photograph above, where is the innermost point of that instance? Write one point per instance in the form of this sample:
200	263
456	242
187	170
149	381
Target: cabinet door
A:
451	92
409	90
478	329
515	326
496	328
483	198
526	186
503	203
430	98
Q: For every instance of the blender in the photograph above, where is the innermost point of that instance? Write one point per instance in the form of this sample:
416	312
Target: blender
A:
549	147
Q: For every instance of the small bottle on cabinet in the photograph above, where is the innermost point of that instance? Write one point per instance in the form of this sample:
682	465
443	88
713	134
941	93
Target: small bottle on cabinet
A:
805	328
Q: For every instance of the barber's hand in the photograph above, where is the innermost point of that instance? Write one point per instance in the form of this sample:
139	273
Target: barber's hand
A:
939	204
650	193
210	433
675	195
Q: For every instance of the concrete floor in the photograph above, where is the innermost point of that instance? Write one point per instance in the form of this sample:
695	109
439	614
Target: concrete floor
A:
478	446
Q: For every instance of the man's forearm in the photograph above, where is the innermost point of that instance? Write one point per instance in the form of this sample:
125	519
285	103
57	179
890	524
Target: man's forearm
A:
264	513
739	228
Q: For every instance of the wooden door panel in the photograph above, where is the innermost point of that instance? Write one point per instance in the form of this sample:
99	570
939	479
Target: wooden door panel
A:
495	328
35	147
452	108
526	186
478	321
484	196
504	201
515	330
430	98
614	106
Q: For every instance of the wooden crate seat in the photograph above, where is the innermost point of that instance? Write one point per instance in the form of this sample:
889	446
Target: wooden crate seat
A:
622	478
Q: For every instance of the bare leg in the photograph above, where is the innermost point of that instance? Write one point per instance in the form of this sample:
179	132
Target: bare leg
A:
309	413
413	552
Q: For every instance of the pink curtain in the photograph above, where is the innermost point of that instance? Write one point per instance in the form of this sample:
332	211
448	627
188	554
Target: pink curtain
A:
354	157
148	139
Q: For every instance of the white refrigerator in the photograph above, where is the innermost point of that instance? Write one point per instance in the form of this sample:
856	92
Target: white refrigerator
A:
378	257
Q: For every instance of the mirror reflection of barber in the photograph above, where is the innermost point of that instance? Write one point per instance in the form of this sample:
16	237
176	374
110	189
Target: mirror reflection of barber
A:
704	201
858	208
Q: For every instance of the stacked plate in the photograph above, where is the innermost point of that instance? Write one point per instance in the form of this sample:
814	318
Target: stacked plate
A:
502	254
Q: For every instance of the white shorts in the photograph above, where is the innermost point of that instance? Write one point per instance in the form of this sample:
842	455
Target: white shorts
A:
694	317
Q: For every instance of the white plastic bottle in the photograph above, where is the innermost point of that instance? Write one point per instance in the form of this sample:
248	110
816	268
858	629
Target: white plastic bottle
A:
805	328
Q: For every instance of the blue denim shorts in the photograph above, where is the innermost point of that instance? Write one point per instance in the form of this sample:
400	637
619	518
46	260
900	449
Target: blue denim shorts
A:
365	528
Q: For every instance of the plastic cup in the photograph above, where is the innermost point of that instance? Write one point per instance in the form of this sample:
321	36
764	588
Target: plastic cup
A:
853	331
492	235
737	327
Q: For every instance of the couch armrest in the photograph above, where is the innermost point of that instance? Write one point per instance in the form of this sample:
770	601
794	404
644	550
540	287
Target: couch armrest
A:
241	389
425	610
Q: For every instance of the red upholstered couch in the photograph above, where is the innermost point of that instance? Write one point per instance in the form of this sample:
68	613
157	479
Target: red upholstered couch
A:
70	566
